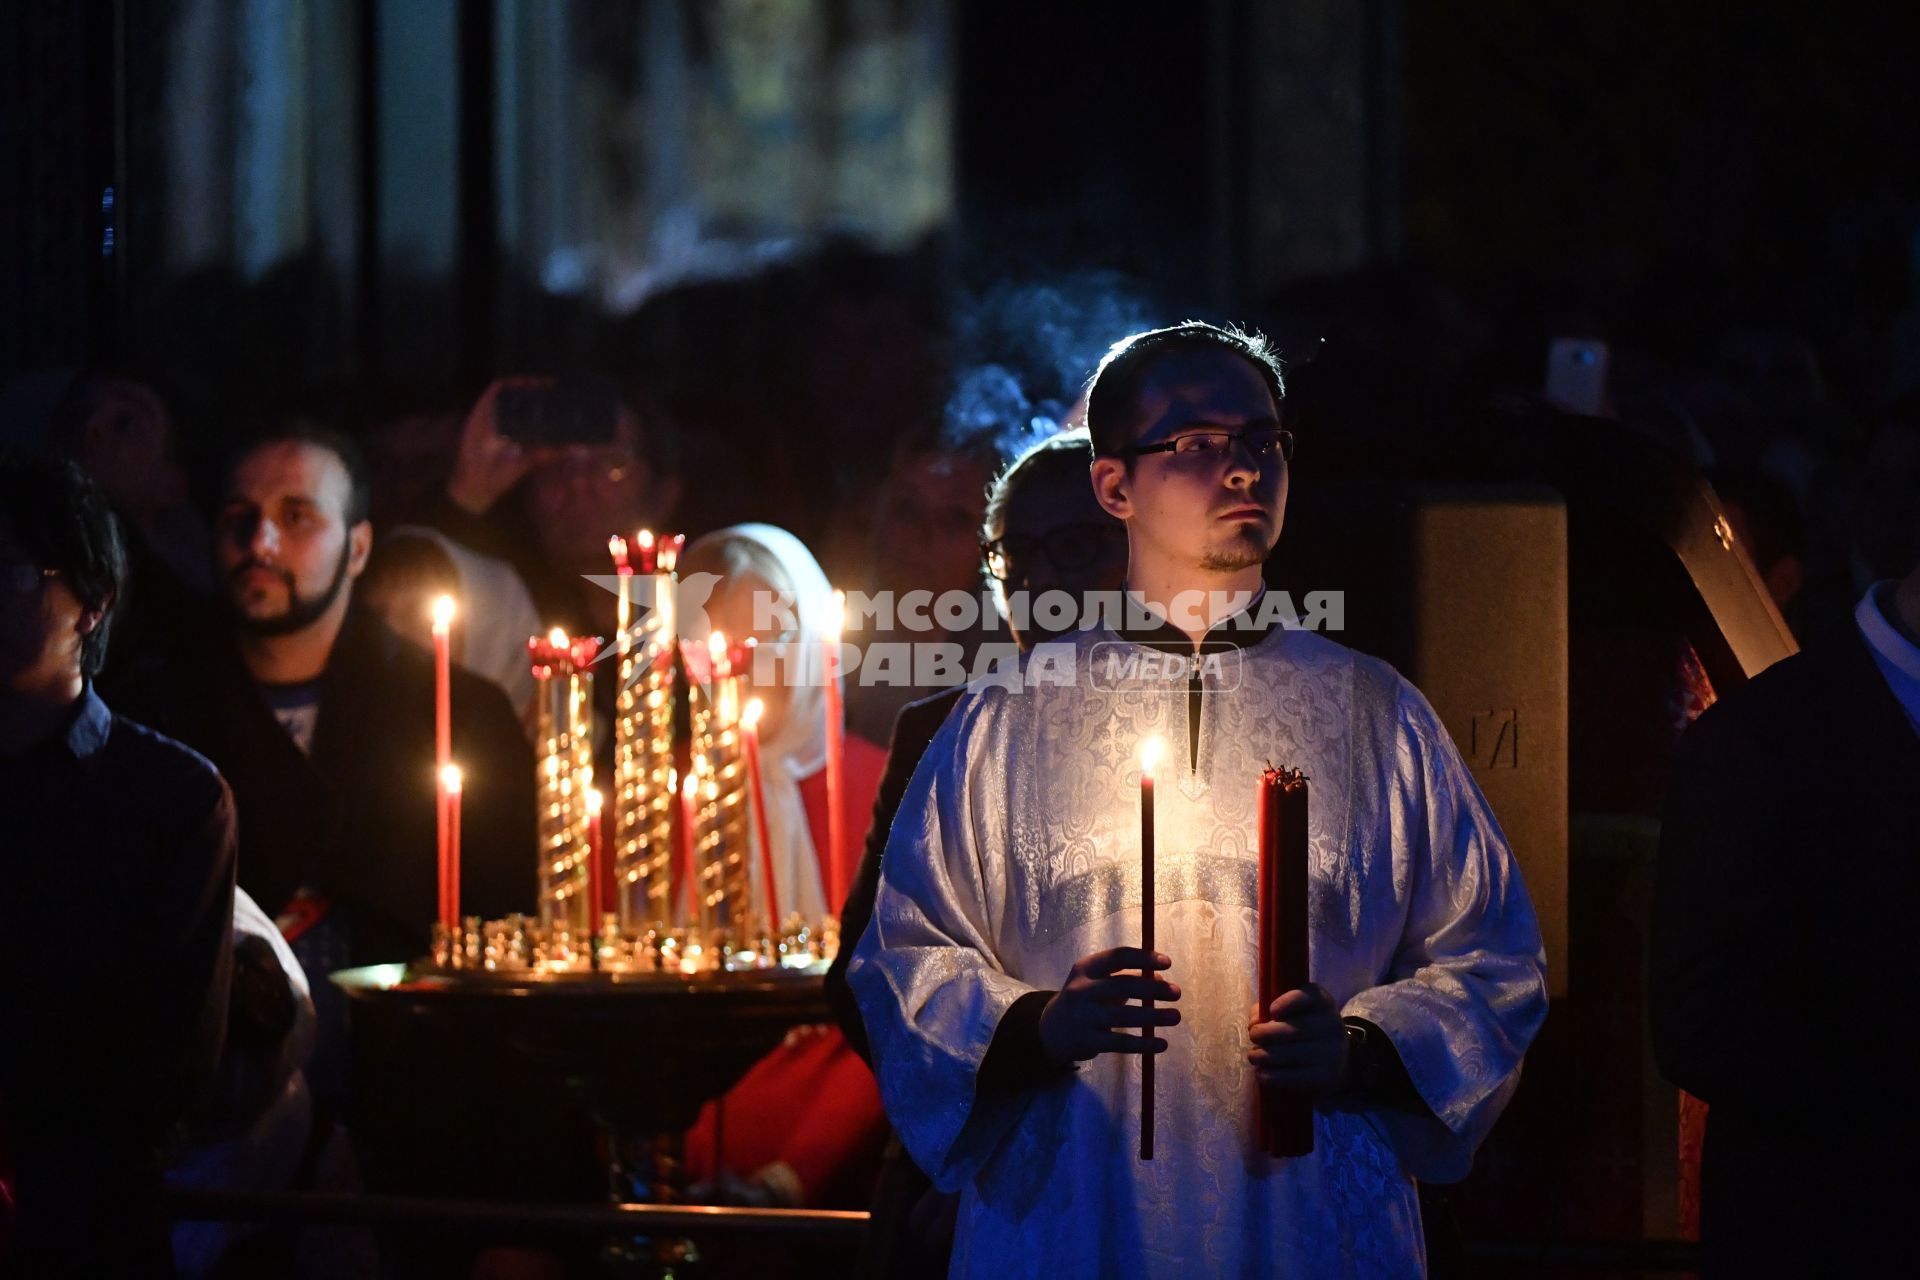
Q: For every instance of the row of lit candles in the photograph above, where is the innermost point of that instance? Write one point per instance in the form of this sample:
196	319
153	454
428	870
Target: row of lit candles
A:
656	556
1286	1125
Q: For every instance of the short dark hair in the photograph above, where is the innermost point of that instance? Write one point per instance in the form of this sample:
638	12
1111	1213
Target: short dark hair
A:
306	431
1113	392
60	518
1062	453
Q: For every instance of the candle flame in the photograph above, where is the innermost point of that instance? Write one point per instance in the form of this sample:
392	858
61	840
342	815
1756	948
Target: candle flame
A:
645	539
750	717
557	638
837	617
617	548
1149	756
594	802
450	779
442	612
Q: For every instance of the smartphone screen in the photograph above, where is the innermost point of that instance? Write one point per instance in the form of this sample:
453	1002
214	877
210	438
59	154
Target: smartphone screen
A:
568	411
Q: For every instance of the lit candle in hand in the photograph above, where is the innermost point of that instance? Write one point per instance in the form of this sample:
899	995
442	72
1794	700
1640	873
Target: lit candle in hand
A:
1149	757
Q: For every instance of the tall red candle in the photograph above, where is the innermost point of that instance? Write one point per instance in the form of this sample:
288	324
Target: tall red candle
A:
756	796
1149	756
836	756
690	825
449	788
443	745
596	860
623	571
1286	1115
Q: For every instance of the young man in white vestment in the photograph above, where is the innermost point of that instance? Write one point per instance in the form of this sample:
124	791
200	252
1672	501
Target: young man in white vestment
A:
1001	979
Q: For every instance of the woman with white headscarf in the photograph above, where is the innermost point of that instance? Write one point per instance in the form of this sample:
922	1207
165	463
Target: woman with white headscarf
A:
805	1126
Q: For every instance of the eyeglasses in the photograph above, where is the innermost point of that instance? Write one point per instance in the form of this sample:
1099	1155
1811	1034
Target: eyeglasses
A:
17	577
1261	442
1069	546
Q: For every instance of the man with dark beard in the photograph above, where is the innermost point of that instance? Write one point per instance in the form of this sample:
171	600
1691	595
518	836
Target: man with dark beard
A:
322	721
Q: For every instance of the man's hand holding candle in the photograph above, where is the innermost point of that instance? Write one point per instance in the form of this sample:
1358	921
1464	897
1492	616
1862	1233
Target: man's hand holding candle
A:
1302	1044
1094	1014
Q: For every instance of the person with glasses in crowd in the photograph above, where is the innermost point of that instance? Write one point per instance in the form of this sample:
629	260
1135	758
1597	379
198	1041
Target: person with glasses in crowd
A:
1000	977
116	898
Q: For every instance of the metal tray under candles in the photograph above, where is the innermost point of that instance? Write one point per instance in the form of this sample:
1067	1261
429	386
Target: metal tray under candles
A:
422	977
642	1050
472	1074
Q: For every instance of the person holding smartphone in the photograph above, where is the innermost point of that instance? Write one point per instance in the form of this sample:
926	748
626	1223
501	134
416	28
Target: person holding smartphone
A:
546	470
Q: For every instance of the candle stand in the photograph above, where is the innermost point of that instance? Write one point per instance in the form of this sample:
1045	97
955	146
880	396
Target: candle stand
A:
641	1051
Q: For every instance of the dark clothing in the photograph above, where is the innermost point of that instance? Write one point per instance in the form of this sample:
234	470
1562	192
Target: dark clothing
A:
349	829
354	822
912	732
158	615
116	898
892	1246
1789	879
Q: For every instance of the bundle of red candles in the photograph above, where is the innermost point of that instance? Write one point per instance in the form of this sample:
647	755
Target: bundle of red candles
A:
1286	1115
